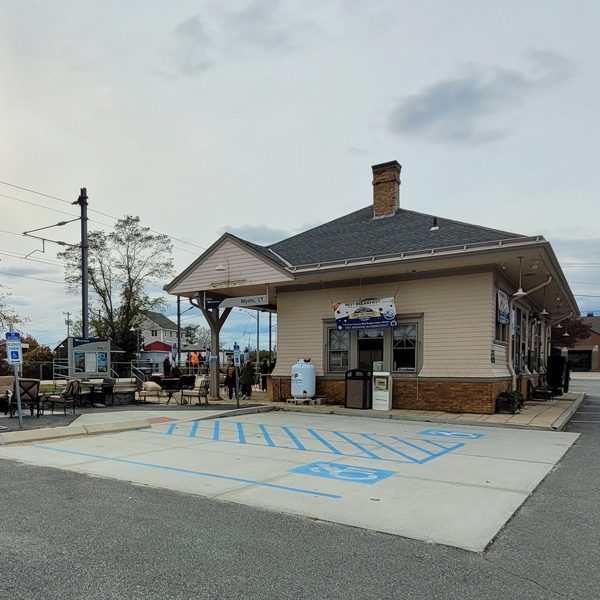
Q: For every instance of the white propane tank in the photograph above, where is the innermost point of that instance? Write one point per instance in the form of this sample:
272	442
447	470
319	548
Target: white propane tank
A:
304	379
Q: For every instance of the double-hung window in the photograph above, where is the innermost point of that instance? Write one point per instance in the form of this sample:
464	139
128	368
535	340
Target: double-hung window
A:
404	347
397	349
338	350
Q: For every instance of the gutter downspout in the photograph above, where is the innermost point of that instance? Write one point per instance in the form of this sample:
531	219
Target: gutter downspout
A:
513	375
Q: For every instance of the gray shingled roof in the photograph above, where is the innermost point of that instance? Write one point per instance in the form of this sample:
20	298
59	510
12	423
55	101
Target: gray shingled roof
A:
159	319
594	322
358	235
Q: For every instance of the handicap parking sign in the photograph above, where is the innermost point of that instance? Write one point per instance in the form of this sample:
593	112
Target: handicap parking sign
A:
13	353
344	472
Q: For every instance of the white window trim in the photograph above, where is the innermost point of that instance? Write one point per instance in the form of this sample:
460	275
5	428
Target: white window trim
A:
387	347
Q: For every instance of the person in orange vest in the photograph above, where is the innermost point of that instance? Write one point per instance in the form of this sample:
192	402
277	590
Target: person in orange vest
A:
195	362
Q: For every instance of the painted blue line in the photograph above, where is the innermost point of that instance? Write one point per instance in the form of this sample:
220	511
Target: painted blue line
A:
267	436
187	471
325	442
440	445
194	429
396	460
361	448
171	429
294	439
241	437
216	431
415	446
410	458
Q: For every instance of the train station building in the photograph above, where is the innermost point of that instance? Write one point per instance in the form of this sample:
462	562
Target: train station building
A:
456	312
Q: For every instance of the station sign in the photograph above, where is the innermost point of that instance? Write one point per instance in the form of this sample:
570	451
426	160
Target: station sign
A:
241	301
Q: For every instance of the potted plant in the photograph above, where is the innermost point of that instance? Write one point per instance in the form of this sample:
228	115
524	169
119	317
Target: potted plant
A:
509	402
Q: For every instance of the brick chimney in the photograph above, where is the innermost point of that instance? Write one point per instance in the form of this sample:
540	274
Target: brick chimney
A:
386	189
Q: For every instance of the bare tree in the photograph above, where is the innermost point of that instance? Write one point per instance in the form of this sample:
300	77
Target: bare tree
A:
7	314
121	265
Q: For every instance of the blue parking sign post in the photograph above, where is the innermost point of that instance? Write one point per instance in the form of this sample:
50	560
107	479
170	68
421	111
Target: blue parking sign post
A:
14	357
236	368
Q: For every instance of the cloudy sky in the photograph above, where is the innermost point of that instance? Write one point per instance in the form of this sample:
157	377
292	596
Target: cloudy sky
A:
263	118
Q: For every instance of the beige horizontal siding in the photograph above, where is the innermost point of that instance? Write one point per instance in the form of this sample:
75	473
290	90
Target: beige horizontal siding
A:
457	337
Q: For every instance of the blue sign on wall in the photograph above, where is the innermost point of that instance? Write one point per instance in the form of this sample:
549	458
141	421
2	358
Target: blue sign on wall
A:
452	434
344	472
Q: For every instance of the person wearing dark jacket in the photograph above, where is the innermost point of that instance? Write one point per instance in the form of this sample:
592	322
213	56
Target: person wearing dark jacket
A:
264	371
230	379
247	379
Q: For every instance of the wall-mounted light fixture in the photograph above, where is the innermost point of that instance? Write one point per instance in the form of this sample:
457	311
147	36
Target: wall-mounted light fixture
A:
544	312
520	293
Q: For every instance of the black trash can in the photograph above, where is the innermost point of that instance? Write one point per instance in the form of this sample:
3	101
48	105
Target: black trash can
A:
555	374
358	389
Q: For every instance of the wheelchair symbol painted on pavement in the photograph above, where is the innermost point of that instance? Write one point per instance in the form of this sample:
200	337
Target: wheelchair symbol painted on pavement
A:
452	434
343	472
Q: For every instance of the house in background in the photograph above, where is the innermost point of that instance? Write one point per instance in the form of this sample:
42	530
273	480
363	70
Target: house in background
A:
584	354
155	327
455	312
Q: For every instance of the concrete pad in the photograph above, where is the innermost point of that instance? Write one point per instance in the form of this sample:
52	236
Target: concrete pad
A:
429	511
453	484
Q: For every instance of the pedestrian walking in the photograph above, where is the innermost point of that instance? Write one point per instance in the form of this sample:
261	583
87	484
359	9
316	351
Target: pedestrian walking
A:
246	380
230	379
195	362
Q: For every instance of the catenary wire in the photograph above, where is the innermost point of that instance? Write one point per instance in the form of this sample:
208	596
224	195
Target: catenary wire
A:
99	213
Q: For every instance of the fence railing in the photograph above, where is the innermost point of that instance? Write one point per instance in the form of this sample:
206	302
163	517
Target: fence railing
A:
59	370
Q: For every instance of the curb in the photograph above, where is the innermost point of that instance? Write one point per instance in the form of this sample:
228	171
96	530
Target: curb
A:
426	419
236	412
566	416
50	433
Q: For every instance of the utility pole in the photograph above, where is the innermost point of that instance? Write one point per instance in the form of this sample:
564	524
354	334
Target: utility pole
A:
178	331
270	357
83	203
257	339
68	323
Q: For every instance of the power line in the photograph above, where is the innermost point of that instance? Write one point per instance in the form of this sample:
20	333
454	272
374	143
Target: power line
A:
29	277
34	192
99	213
38	205
45	261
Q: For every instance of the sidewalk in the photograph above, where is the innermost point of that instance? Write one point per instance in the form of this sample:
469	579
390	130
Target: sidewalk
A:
536	415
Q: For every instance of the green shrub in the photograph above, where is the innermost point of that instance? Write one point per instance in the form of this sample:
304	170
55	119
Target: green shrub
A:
513	398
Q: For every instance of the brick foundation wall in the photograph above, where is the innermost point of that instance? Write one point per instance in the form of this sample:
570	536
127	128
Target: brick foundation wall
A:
447	396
